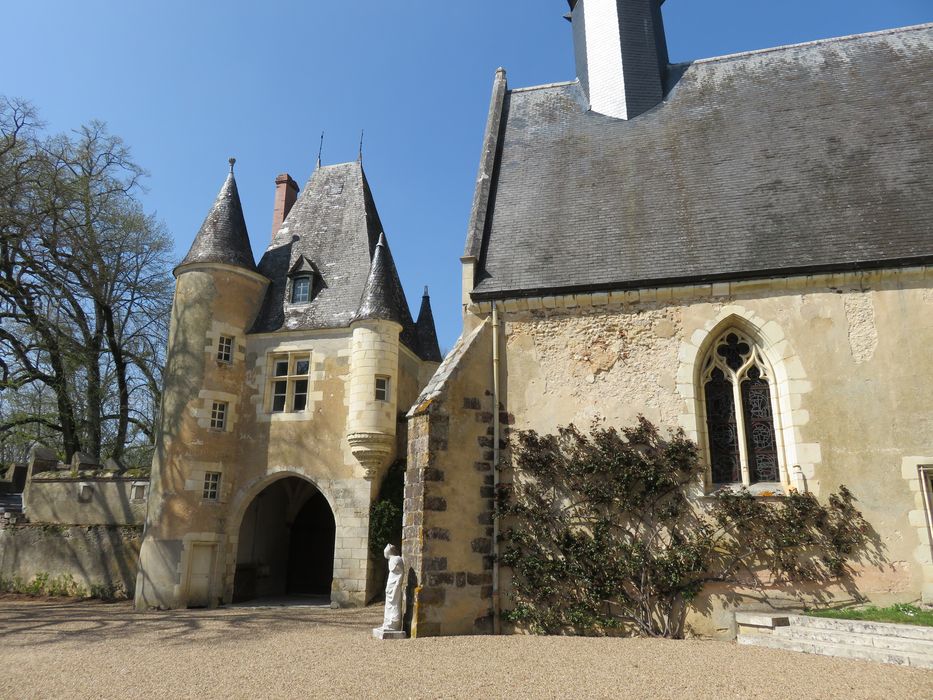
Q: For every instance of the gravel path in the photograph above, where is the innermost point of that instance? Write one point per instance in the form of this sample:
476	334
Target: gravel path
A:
94	650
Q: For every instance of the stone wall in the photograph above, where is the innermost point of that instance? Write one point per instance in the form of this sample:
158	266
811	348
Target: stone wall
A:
86	501
97	557
850	373
449	495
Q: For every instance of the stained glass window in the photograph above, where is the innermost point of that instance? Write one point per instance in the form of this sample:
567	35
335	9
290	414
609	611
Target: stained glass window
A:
742	443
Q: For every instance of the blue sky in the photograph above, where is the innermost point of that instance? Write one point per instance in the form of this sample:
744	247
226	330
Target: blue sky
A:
189	83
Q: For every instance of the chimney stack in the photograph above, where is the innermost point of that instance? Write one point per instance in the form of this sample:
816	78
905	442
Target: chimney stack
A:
286	192
621	54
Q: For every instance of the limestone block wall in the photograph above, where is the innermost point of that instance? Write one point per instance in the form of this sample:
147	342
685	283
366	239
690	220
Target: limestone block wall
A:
852	370
449	495
95	556
86	501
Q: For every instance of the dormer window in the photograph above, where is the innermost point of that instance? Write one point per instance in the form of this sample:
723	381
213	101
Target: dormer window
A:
301	290
306	281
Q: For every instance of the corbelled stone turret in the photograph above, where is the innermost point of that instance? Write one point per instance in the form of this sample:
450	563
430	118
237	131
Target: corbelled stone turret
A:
374	362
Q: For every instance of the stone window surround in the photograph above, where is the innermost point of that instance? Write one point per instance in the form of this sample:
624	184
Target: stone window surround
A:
203	409
918	471
756	357
263	370
217	330
383	392
219	410
144	485
789	385
197	475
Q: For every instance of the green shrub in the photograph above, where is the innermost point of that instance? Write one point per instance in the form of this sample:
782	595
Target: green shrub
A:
385	514
601	533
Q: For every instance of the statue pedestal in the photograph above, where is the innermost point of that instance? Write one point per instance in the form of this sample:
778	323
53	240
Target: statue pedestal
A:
379	633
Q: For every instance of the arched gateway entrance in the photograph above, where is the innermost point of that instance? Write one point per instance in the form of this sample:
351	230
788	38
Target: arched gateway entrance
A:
286	543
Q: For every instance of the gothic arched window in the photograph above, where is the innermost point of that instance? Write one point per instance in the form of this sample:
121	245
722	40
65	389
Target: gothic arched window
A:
737	391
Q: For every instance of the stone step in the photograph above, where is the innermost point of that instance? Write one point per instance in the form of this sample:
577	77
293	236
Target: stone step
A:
837	636
881	629
847	651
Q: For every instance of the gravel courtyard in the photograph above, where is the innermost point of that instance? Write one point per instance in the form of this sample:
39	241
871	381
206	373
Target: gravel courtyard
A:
95	650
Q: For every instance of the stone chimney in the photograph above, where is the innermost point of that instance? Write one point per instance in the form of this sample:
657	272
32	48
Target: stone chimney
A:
286	192
621	54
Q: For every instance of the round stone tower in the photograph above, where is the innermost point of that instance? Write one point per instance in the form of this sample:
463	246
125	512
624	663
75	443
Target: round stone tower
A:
217	294
374	369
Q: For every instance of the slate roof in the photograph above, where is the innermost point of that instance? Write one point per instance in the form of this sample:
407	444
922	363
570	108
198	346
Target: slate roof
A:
813	157
334	225
223	237
378	300
427	334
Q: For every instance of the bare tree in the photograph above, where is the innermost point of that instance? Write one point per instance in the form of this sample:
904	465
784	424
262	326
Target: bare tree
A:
84	285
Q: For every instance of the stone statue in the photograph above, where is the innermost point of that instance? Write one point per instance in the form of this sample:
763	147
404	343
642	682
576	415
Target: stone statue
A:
392	621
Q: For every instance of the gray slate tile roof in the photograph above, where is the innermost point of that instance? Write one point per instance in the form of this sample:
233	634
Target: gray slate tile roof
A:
223	237
334	225
427	333
803	158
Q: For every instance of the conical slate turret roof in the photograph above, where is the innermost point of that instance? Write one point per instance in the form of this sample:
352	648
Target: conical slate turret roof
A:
378	300
427	334
223	237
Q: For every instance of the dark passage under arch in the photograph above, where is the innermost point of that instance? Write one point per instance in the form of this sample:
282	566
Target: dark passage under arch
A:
286	543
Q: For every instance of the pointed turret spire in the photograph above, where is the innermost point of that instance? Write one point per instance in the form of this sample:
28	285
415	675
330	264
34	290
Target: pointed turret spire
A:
427	334
223	237
377	301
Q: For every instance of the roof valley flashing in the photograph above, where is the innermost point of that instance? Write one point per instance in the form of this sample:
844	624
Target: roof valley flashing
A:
621	54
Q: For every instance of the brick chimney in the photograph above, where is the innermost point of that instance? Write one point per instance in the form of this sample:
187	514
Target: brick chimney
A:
621	54
286	192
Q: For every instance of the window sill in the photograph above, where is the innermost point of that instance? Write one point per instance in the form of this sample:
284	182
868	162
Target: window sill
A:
766	489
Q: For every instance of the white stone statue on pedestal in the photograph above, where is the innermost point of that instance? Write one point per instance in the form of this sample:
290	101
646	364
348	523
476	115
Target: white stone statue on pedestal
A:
392	621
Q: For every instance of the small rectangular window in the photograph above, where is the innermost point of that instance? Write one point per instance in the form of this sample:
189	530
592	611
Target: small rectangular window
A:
281	368
219	415
225	349
138	492
382	388
302	365
301	290
211	486
300	399
279	392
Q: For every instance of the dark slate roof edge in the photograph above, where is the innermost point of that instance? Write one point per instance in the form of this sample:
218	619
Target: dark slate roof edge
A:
488	159
892	263
808	44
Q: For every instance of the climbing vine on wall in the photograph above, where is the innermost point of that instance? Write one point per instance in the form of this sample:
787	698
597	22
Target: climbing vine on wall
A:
602	534
385	514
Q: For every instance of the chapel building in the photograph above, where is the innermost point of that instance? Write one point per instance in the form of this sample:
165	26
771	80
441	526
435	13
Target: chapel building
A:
284	389
740	246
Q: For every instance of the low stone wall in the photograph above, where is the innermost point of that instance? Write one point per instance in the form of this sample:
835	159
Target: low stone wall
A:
97	557
71	500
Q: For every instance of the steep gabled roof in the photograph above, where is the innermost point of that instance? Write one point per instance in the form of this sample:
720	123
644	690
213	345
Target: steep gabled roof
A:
223	237
799	159
334	225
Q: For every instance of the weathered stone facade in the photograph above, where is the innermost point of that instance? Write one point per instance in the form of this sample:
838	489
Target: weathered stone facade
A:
270	454
847	352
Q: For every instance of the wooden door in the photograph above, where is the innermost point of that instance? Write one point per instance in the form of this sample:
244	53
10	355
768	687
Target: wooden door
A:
199	575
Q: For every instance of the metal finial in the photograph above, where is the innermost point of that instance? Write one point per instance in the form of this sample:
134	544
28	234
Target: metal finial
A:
320	150
426	290
360	157
232	162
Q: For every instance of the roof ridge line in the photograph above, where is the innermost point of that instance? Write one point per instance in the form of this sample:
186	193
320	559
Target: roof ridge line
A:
545	86
805	44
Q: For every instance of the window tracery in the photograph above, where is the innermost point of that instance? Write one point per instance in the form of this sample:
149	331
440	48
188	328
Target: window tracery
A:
738	396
